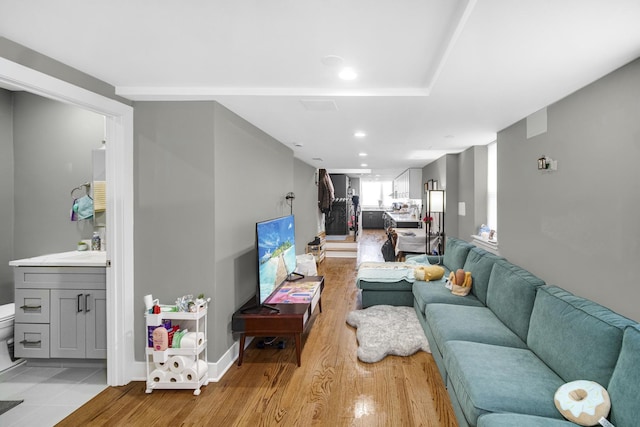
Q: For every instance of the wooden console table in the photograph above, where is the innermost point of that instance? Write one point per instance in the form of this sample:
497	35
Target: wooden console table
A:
290	320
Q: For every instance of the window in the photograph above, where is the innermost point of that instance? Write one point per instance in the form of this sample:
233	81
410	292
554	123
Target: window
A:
492	185
376	193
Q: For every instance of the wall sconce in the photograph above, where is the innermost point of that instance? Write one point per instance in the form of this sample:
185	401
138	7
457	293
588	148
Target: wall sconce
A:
542	163
547	163
289	198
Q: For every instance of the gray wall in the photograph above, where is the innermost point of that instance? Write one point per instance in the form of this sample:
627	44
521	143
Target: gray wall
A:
305	205
472	190
578	227
445	171
52	155
203	178
6	196
254	172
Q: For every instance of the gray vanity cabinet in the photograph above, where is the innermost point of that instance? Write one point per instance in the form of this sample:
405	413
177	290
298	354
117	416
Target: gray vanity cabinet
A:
60	312
78	323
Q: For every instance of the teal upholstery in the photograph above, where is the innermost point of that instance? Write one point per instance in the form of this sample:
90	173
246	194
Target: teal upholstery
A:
624	387
455	254
511	293
489	378
504	349
435	292
480	263
433	344
520	420
577	338
463	323
387	293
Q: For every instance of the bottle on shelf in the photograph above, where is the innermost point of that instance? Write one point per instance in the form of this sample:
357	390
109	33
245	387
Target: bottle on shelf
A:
95	241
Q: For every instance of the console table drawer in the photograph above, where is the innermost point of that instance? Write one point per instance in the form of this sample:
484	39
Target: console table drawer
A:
32	305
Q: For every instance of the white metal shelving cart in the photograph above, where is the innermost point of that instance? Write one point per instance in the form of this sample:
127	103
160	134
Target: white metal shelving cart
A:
179	368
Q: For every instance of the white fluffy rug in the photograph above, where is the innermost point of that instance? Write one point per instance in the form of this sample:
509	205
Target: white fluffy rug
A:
385	329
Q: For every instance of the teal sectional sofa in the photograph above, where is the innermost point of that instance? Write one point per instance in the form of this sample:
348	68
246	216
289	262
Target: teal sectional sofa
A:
505	349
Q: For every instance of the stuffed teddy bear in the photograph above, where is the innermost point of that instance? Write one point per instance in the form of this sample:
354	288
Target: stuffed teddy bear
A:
460	282
429	272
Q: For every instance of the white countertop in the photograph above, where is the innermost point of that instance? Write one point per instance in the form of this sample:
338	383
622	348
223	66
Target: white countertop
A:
65	259
403	217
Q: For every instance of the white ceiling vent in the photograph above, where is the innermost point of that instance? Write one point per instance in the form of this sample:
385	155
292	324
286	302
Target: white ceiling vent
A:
319	104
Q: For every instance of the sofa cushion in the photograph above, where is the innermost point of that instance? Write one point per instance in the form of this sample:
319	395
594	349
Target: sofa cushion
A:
480	262
489	378
464	323
436	292
510	295
520	420
577	338
455	254
624	387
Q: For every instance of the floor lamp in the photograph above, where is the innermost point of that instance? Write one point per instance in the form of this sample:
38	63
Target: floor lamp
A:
435	210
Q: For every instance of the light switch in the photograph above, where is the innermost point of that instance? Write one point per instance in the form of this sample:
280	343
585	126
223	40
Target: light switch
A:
462	209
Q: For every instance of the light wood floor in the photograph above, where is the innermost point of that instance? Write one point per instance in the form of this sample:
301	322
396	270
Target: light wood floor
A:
331	388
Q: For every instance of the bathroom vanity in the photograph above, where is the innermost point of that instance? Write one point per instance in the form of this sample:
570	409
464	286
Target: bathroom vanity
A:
60	304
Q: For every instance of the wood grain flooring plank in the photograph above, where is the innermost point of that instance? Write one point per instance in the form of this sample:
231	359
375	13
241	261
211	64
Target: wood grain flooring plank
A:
331	388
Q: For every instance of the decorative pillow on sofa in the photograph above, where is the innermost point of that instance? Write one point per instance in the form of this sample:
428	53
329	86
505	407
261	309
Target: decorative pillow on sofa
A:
583	402
460	282
429	272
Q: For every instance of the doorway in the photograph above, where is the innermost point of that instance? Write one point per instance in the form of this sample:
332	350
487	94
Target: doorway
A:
119	218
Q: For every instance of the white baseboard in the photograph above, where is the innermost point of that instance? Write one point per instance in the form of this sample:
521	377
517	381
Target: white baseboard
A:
216	369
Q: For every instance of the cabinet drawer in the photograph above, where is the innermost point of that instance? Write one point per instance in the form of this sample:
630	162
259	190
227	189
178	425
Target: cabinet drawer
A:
59	277
31	340
32	305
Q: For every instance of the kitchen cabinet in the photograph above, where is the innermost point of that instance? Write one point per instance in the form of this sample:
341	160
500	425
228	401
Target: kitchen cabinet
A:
60	312
408	185
373	219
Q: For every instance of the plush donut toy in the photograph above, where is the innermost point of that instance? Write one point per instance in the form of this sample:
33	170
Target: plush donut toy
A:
583	402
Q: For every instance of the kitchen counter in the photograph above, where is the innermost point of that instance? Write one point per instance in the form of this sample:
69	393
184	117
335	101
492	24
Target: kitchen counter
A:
403	217
403	220
65	259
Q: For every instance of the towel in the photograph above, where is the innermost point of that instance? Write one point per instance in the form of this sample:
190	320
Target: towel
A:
385	272
84	207
74	208
99	196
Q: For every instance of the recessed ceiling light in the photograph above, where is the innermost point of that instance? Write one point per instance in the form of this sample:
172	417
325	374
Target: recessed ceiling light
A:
359	134
364	165
332	60
348	73
362	154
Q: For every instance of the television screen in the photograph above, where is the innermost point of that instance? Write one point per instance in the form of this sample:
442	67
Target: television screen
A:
276	253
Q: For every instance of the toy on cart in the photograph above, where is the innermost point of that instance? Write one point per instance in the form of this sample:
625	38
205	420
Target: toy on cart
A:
176	353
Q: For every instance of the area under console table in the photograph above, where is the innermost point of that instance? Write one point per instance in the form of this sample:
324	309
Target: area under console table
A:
291	319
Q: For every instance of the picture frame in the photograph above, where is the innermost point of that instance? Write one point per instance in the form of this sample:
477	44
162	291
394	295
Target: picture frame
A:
432	184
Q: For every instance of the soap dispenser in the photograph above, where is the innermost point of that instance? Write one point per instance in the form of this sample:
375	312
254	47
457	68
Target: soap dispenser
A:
95	241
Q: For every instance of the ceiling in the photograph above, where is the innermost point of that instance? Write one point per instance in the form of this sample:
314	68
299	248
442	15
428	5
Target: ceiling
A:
434	76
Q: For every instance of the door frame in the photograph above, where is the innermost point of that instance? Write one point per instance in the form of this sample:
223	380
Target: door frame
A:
119	230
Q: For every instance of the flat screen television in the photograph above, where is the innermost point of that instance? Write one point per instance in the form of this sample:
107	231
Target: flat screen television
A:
275	242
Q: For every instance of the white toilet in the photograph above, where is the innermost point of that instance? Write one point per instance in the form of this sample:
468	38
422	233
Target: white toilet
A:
7	316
